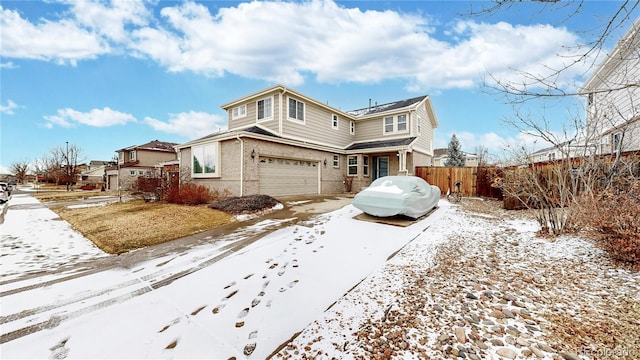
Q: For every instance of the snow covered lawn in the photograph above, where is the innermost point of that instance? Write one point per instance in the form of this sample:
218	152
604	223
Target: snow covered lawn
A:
243	305
469	281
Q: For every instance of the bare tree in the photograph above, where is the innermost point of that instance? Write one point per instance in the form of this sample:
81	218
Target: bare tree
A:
20	169
482	152
584	157
60	164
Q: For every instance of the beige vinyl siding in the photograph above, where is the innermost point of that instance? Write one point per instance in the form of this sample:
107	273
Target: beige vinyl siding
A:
424	138
369	129
317	125
248	120
252	114
151	158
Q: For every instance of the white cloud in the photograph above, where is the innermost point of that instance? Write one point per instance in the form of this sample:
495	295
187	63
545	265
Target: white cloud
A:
111	21
96	117
62	41
270	41
8	65
287	42
191	124
8	109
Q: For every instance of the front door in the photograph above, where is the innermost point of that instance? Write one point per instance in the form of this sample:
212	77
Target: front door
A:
380	166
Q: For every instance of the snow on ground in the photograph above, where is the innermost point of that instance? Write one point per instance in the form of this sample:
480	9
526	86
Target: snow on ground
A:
245	304
34	239
459	283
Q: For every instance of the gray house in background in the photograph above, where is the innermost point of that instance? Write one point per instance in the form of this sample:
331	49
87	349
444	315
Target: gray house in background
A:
281	142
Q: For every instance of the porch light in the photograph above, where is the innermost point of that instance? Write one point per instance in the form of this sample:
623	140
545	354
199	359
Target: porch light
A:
253	153
325	162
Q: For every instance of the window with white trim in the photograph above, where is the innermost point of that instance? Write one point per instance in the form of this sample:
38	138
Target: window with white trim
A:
121	157
264	109
395	124
132	155
388	124
334	121
132	172
336	161
352	165
205	160
365	165
239	112
352	127
296	109
401	123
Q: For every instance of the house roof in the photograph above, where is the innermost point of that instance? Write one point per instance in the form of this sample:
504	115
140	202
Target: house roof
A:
439	152
387	107
154	145
623	50
381	144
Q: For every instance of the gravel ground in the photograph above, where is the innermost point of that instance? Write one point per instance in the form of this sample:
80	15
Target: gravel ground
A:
485	287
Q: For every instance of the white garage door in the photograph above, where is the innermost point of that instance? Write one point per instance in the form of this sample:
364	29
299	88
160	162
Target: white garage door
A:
282	177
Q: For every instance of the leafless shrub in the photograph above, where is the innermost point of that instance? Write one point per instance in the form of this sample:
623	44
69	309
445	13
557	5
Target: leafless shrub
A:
611	215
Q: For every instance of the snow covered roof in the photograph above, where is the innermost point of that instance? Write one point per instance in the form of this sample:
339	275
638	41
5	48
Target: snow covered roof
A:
387	107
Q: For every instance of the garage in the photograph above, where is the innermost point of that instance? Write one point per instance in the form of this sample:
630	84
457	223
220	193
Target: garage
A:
282	177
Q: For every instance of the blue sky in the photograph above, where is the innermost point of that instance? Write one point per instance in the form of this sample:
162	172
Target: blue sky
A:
104	75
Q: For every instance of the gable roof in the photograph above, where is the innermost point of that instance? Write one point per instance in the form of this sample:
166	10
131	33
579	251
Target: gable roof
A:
353	114
154	145
622	51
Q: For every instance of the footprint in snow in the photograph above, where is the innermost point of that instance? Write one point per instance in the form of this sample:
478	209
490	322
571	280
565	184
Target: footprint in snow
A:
243	313
59	350
230	284
257	299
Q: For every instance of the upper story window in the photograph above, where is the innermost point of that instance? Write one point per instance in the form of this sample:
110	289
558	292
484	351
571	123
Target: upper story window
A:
296	109
352	165
402	123
395	124
352	127
334	121
336	161
121	157
239	112
132	155
132	172
265	108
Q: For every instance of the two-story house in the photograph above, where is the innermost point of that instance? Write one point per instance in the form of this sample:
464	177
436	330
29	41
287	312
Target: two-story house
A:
139	160
613	98
281	142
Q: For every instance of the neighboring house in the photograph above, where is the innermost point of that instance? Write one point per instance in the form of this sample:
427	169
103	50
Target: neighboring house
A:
139	160
440	157
613	98
281	142
93	172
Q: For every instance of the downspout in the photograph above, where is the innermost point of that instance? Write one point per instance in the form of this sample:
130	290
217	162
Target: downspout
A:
241	164
280	111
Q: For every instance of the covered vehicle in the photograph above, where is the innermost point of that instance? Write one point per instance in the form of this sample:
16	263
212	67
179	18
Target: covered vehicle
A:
388	196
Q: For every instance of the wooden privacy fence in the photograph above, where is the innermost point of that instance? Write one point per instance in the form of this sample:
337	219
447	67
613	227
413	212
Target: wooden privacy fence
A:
475	181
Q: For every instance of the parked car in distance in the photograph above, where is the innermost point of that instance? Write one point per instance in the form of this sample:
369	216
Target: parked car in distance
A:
6	187
4	195
387	196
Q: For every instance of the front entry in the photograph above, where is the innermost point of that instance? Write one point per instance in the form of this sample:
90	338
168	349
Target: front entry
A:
380	166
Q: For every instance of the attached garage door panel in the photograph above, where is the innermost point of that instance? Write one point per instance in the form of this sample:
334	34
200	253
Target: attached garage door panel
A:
281	177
